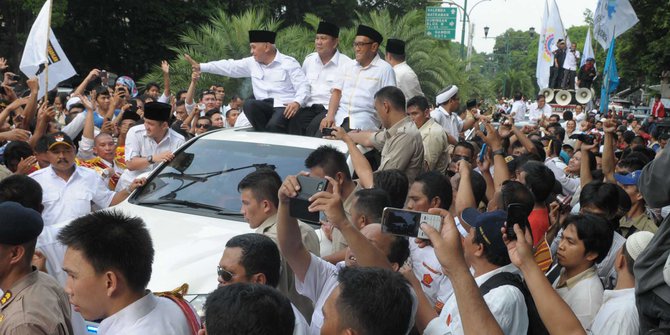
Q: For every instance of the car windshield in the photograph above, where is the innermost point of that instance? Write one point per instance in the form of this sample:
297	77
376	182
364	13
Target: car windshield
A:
206	173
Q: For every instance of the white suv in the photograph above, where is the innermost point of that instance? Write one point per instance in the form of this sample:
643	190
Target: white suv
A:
192	207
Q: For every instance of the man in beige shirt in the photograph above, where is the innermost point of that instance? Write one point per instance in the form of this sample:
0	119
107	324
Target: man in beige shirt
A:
31	302
435	141
400	142
258	192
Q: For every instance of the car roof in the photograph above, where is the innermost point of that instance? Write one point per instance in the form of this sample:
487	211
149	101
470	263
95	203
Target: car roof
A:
248	135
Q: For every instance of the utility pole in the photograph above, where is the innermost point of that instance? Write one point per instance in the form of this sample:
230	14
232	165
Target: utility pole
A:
465	15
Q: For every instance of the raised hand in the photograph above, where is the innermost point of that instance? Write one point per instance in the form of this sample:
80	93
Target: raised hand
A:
195	66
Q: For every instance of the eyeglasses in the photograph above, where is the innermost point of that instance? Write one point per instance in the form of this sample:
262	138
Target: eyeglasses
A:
202	125
224	274
456	158
360	44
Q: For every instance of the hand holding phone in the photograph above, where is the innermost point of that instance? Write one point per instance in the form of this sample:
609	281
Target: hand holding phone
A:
327	131
299	205
404	222
516	214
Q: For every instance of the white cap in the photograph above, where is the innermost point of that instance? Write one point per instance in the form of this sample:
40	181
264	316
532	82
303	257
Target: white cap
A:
72	101
637	242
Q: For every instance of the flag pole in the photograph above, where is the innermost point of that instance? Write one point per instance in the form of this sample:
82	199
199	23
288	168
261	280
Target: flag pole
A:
46	66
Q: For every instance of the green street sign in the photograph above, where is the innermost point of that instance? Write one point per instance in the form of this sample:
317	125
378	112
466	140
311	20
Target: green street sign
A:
441	22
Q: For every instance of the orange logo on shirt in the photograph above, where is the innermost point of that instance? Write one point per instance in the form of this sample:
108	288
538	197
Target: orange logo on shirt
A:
427	279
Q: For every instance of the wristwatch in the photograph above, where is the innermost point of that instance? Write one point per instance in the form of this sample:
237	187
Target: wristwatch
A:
150	159
499	152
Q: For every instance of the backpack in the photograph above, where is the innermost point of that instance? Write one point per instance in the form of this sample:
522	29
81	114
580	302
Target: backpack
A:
535	324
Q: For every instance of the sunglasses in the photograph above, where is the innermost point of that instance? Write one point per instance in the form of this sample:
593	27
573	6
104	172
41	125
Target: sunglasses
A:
225	275
202	125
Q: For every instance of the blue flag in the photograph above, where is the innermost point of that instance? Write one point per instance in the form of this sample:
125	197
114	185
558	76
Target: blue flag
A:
610	79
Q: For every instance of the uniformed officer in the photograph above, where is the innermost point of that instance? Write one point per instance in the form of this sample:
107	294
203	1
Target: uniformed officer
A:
32	302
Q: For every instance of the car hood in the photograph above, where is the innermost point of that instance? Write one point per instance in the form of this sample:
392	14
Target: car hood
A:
187	247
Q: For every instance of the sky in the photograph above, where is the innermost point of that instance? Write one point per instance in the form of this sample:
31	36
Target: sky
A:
500	15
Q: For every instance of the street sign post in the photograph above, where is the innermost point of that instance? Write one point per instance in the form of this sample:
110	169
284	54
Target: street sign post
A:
441	22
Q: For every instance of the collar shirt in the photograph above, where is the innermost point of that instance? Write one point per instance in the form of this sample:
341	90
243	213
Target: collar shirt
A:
507	304
571	59
323	78
139	144
435	146
618	314
408	81
518	110
641	222
68	200
428	270
536	113
300	326
358	86
281	80
401	148
287	283
451	123
583	293
148	315
320	281
35	304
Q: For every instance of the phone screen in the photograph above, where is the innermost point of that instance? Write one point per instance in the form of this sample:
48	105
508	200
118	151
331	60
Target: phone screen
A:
403	222
516	214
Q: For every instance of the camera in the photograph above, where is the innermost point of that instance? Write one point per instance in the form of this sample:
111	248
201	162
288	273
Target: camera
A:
584	138
327	131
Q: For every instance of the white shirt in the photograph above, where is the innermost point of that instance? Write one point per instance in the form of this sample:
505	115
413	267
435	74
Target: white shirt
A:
506	303
320	281
282	79
583	293
518	110
323	78
67	200
618	314
242	121
148	315
408	81
428	270
571	60
358	88
536	114
451	123
138	144
300	326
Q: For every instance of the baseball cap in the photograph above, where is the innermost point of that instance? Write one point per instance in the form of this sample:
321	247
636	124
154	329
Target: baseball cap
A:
487	225
629	178
19	224
59	138
637	242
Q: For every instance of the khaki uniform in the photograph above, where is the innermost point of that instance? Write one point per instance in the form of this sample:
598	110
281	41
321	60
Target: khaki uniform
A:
435	146
640	223
339	242
36	304
286	277
401	147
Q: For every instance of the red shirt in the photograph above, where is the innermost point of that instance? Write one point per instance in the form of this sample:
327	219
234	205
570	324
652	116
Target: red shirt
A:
539	223
658	110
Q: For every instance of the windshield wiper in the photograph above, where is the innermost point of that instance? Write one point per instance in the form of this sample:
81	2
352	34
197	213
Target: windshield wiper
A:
191	204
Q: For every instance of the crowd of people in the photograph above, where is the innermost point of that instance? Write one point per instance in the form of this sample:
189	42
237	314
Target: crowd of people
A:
587	251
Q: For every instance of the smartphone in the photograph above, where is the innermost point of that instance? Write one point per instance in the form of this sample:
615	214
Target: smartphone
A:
404	222
482	128
298	206
16	77
482	153
516	213
327	131
104	81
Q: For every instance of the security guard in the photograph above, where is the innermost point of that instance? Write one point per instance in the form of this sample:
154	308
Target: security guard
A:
32	302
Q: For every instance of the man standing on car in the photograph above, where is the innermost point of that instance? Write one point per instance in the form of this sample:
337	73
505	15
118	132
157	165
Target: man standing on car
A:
151	143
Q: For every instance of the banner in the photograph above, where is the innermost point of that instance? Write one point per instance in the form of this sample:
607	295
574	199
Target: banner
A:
610	79
588	49
607	14
41	48
552	31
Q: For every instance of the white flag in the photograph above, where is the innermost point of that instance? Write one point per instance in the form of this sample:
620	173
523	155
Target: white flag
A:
611	19
588	49
552	31
42	47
